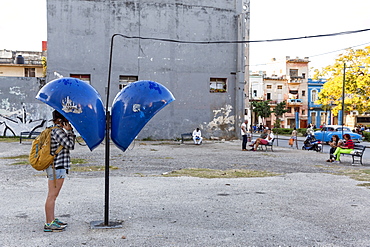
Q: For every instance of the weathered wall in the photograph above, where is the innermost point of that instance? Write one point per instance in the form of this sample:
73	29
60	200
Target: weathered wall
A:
79	35
19	110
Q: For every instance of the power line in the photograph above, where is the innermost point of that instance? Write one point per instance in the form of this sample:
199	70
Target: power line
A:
263	64
339	50
241	41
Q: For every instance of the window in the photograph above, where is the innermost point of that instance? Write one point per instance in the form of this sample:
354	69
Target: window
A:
124	80
82	77
313	118
293	72
303	93
303	112
29	72
279	86
268	96
254	93
289	109
313	95
217	85
269	86
303	75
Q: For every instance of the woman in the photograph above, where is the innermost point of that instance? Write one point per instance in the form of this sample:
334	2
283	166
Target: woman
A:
334	143
293	137
345	148
62	135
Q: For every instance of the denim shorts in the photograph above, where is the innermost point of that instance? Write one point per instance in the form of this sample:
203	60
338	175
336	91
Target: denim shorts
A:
60	173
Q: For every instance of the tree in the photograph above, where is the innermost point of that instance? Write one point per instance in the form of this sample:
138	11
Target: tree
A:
357	82
279	111
262	108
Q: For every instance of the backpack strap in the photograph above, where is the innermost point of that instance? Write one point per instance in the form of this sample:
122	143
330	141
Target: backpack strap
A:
58	150
55	154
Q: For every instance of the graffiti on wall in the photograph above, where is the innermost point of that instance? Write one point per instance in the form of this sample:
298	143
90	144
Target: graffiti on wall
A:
222	122
13	123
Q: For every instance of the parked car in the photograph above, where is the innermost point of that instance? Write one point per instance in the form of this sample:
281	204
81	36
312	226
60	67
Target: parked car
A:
326	133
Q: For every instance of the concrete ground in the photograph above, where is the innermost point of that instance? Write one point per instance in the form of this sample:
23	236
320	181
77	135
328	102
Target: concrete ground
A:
309	203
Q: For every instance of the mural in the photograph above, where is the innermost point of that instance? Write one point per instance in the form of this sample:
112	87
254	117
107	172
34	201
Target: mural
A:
222	122
13	123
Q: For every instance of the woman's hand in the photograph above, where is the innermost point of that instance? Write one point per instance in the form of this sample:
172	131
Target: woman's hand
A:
67	126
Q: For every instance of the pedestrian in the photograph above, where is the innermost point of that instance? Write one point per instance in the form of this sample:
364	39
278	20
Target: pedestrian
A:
334	143
293	137
344	148
197	136
63	135
244	133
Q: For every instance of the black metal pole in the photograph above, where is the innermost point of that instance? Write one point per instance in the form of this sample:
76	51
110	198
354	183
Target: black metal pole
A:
343	88
107	138
107	152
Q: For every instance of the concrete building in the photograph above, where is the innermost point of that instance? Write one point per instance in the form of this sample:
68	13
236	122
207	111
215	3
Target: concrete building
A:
297	78
316	114
207	80
21	63
287	80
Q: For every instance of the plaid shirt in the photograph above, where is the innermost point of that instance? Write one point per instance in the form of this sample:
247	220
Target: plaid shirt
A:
67	140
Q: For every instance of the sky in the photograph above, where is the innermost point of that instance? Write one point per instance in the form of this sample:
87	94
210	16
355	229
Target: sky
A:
23	27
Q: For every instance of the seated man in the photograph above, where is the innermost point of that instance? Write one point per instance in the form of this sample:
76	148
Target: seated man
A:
270	136
197	136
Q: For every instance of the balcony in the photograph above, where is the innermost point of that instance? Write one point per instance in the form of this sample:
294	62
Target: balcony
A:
294	102
296	79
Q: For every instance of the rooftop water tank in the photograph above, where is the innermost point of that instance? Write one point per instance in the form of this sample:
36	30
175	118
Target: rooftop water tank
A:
20	59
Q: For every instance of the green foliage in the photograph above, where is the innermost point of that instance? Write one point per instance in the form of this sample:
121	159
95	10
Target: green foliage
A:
44	66
288	131
366	136
357	82
279	110
262	108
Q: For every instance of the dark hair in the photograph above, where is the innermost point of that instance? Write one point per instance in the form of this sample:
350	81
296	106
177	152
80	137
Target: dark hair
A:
336	137
57	115
347	135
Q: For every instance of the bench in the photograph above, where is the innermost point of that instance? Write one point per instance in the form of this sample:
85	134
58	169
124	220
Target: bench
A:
188	136
357	153
265	146
28	135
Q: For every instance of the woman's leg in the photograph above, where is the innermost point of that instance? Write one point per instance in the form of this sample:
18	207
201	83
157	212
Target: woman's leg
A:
53	192
339	151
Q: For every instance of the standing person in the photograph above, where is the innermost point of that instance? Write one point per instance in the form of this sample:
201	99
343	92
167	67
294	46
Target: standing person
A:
197	136
293	137
345	148
62	135
334	143
244	134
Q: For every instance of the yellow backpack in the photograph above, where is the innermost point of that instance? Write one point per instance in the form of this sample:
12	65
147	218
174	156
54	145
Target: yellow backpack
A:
40	157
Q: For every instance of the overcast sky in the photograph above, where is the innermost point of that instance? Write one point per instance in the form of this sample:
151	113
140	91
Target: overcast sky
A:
23	27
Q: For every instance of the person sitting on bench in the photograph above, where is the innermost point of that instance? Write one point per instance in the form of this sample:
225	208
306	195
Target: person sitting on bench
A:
268	139
197	136
345	148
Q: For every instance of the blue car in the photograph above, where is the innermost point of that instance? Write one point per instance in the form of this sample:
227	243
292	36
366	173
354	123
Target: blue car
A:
327	132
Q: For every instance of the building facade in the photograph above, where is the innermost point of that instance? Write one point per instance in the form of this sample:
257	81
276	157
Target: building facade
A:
286	80
21	63
207	80
316	114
